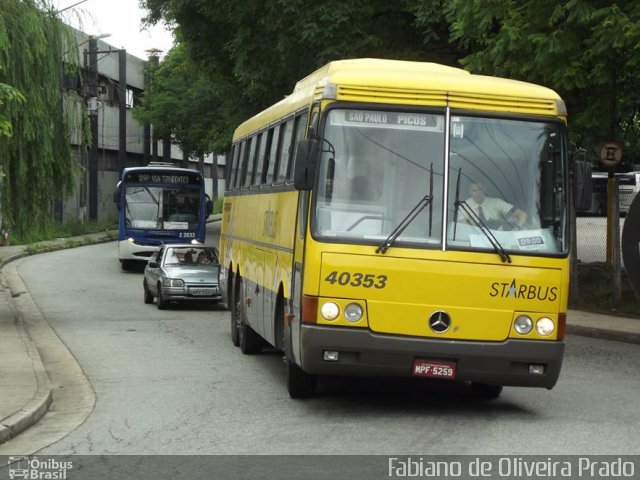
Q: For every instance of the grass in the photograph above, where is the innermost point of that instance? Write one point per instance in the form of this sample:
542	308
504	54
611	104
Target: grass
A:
596	292
56	230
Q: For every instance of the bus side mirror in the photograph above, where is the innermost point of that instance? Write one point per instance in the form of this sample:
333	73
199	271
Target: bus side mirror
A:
305	164
582	185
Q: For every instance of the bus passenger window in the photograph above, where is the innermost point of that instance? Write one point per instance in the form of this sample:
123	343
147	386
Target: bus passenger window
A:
273	155
285	152
251	162
257	176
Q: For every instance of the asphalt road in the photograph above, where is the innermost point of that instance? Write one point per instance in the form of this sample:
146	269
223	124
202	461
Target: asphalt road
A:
170	382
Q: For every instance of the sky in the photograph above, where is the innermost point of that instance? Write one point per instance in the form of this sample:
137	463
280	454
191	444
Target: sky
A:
121	18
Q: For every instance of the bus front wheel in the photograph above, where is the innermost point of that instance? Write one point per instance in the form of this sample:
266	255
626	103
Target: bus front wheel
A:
300	383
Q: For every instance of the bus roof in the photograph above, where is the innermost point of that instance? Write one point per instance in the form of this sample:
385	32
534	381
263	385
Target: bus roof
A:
410	83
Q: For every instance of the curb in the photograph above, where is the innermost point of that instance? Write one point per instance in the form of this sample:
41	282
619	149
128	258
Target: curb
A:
604	334
38	406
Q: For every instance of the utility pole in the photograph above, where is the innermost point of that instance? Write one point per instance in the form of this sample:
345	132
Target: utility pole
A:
122	123
93	126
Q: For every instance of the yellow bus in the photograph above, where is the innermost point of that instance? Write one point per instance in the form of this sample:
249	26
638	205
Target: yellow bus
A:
395	218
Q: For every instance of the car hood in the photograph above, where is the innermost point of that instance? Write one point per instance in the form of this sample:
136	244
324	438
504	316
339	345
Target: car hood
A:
207	273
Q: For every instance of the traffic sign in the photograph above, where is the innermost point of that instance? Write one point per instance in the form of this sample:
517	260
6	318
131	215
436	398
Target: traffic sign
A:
610	154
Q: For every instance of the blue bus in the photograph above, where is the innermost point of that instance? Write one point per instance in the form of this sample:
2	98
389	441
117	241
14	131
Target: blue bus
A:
159	204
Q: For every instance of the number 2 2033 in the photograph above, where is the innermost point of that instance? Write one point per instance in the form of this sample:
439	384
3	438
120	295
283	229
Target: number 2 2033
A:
357	279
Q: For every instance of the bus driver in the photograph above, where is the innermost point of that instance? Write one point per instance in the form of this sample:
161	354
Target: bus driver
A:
492	211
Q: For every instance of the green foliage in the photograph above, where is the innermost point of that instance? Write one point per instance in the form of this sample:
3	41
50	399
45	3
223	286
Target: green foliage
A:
217	205
251	53
586	50
52	230
36	158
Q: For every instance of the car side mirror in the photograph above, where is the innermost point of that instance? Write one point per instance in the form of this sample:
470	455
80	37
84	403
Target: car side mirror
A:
153	264
305	164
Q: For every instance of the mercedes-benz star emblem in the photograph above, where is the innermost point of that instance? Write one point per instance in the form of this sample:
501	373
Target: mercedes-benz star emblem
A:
440	321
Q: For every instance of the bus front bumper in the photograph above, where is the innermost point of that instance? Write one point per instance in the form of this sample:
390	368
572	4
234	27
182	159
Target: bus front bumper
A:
366	353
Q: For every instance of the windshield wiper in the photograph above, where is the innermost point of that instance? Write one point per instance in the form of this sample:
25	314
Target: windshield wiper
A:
504	256
410	217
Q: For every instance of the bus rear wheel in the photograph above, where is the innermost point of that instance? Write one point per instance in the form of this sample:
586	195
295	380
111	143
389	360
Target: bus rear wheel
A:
249	341
300	383
234	306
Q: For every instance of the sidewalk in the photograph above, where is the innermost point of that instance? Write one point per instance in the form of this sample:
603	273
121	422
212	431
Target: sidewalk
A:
25	390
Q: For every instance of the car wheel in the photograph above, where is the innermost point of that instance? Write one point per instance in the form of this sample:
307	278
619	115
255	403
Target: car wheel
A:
235	314
486	391
250	342
300	383
162	303
148	298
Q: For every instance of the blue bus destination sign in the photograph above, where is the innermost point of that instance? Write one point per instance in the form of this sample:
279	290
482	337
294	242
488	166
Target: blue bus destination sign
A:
170	178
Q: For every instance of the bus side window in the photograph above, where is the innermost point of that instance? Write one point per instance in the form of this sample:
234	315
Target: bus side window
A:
273	155
242	170
285	152
267	157
262	143
251	162
301	126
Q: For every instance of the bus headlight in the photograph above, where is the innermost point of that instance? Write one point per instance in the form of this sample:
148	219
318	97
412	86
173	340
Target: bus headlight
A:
329	311
545	326
173	282
353	312
523	324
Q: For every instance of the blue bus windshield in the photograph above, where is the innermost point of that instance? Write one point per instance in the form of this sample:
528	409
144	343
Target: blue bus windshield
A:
162	208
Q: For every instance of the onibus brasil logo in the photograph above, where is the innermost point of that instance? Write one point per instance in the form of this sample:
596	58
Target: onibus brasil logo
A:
35	469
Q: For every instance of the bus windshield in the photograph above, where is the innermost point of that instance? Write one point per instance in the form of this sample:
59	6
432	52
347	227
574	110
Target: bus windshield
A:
162	208
505	179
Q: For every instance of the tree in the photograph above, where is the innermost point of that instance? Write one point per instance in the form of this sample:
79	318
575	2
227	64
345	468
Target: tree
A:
253	52
36	158
587	50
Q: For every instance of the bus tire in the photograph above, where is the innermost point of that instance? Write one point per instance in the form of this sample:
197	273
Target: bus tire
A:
486	391
234	306
126	265
148	298
300	384
162	303
250	342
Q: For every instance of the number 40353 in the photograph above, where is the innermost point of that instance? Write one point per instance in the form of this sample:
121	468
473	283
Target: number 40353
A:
357	279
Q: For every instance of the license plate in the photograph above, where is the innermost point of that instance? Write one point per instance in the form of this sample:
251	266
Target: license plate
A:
201	292
433	368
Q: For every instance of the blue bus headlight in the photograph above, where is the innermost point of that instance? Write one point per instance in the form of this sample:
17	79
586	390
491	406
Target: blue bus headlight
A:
173	282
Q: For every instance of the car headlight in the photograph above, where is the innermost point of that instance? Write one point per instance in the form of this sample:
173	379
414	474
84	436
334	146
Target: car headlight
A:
329	311
523	324
173	282
545	326
353	312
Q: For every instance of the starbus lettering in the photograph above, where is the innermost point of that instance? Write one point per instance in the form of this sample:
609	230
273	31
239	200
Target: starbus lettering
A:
523	291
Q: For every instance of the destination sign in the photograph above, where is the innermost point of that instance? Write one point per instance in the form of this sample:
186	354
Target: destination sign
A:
394	120
164	178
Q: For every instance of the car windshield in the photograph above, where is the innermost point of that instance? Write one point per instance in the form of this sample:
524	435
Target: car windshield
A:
381	181
190	256
162	208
